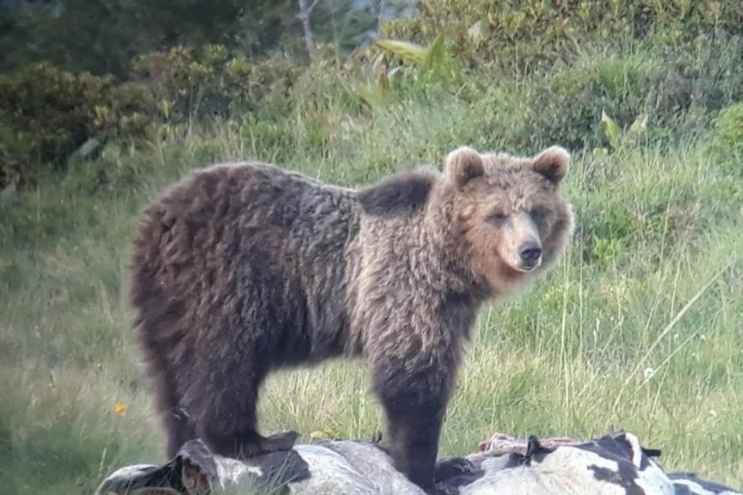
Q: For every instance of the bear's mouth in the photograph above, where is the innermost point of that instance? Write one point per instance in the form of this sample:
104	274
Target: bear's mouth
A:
529	266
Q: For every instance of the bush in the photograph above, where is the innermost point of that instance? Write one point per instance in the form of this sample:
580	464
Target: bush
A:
680	89
727	140
52	110
703	75
210	82
558	66
729	128
567	106
47	113
533	33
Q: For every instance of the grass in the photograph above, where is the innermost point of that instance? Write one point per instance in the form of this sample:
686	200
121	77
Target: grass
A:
639	326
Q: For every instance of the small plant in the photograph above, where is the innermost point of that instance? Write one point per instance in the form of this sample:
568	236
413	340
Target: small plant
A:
432	57
434	63
616	137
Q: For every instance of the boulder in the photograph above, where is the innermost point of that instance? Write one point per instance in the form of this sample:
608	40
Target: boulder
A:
615	464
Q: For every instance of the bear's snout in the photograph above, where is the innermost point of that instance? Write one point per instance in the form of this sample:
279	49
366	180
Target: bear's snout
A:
531	255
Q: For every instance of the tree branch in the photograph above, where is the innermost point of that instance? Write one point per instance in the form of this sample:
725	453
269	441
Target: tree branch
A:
304	15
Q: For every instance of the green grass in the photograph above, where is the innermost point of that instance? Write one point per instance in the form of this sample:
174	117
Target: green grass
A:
639	326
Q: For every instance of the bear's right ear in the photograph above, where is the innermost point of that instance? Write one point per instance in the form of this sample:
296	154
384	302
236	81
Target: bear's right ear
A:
464	164
552	163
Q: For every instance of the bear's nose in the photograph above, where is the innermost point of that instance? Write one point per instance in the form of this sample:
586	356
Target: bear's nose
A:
530	253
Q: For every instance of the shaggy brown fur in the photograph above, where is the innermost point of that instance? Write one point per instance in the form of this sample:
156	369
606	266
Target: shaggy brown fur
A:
241	269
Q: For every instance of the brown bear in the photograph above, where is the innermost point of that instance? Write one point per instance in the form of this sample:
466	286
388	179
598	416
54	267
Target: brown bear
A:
244	268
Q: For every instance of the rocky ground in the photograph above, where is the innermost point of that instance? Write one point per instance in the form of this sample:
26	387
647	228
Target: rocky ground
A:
613	464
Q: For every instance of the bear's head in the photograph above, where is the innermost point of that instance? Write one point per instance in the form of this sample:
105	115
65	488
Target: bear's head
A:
491	221
509	217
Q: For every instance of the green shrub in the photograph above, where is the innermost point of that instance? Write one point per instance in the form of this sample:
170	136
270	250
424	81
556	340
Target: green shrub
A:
127	114
486	32
699	77
678	89
727	137
52	110
550	70
47	113
211	82
567	106
528	34
729	128
15	147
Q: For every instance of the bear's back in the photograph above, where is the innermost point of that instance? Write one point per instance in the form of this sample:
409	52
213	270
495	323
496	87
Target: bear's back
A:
228	208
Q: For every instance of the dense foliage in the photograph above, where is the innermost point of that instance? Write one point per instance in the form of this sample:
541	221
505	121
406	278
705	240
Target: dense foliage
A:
527	35
560	65
109	33
46	113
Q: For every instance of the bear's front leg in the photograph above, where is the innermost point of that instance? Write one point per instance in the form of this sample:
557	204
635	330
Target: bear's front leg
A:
414	407
413	441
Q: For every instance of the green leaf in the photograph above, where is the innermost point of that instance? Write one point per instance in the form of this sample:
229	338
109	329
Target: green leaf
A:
610	130
436	56
639	126
410	52
600	152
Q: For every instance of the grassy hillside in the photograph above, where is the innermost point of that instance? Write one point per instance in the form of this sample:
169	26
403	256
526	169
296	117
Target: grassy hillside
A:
639	327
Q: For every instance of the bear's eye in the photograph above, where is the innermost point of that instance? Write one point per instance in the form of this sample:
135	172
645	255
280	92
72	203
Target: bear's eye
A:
539	214
497	217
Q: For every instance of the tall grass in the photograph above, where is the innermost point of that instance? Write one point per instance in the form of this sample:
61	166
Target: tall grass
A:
639	326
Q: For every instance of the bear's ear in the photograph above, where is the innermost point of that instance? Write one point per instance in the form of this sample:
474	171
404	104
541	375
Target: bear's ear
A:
552	163
401	193
464	164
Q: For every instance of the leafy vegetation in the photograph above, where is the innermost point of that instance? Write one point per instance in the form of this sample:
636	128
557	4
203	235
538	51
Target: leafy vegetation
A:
728	136
638	327
47	113
533	34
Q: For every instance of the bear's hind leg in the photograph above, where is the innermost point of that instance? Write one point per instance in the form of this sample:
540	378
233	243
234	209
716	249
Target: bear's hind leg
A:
228	424
177	424
179	430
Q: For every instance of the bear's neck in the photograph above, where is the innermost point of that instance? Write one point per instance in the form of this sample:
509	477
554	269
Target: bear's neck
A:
404	261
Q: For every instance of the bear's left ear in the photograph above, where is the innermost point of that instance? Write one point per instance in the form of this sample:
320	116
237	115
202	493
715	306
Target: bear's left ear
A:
552	163
464	164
